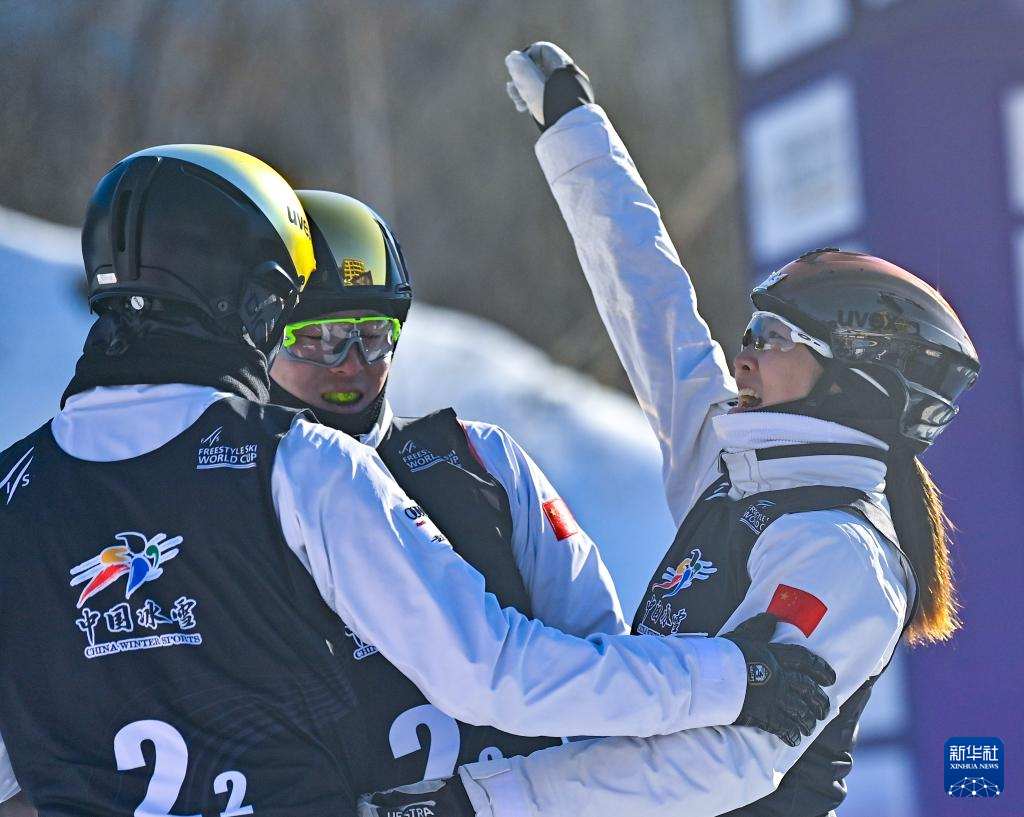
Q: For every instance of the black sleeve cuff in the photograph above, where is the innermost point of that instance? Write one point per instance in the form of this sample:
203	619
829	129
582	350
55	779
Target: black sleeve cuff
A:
565	89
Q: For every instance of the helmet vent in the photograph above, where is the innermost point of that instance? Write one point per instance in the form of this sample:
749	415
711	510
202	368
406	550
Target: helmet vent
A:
124	201
818	251
221	184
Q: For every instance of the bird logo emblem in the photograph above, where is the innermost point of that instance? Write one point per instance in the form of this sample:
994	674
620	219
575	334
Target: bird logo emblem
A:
138	557
691	569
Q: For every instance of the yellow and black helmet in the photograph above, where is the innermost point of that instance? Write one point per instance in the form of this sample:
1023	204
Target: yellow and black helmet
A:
210	229
359	263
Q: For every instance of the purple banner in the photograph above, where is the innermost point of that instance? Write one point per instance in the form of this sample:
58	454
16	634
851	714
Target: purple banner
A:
901	132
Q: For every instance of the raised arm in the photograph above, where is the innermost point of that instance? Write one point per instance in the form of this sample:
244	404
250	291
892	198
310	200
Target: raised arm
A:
642	291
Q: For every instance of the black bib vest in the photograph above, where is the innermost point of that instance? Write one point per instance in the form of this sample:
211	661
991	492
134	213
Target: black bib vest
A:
702	580
405	739
163	649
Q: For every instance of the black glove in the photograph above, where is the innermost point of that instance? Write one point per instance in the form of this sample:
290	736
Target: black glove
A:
546	82
445	797
783	692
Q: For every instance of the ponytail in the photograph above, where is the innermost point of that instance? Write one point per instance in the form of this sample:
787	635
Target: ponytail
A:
923	530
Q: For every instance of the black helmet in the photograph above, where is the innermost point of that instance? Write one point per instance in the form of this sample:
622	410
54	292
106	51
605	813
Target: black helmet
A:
877	317
209	228
359	262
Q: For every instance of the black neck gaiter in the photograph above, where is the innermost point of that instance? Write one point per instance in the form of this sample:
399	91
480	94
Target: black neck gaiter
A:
857	404
158	357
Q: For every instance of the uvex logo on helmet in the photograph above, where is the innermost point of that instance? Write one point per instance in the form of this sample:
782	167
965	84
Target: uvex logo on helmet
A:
298	218
876	321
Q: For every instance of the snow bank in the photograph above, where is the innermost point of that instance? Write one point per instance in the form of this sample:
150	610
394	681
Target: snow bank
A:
592	442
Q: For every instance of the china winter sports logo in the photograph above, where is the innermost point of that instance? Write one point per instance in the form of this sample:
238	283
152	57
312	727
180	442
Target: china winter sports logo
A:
662	616
691	569
142	624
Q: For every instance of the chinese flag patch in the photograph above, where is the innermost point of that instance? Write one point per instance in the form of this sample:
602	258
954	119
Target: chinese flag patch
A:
560	517
797	607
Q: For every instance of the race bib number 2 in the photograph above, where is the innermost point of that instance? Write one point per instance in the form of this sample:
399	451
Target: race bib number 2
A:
170	763
445	740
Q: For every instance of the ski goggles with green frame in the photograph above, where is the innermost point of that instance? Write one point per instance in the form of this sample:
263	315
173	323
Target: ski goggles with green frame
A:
326	341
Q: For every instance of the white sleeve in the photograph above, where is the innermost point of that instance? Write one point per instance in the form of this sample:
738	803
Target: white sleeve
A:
568	584
704	772
8	784
645	298
382	566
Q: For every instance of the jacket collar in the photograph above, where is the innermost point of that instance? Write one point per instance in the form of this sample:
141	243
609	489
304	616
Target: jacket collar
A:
765	451
110	423
92	424
375	435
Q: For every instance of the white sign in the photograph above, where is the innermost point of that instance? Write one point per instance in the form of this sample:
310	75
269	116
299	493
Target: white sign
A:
769	32
802	170
1013	119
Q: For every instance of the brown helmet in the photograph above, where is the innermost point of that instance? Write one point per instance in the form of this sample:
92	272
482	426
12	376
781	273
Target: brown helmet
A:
877	316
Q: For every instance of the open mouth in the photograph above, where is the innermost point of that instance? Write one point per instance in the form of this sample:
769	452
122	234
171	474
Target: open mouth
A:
342	398
748	399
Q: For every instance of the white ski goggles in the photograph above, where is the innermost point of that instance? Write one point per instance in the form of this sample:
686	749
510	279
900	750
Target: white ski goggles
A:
767	331
326	342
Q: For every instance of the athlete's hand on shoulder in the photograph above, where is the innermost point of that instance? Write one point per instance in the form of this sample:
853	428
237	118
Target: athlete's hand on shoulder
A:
783	692
445	797
546	82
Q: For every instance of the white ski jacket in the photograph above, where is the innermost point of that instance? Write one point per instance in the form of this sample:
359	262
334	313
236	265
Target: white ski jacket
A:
342	515
682	381
568	583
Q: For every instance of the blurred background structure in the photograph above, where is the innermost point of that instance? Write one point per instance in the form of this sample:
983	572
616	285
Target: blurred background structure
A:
401	104
763	128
